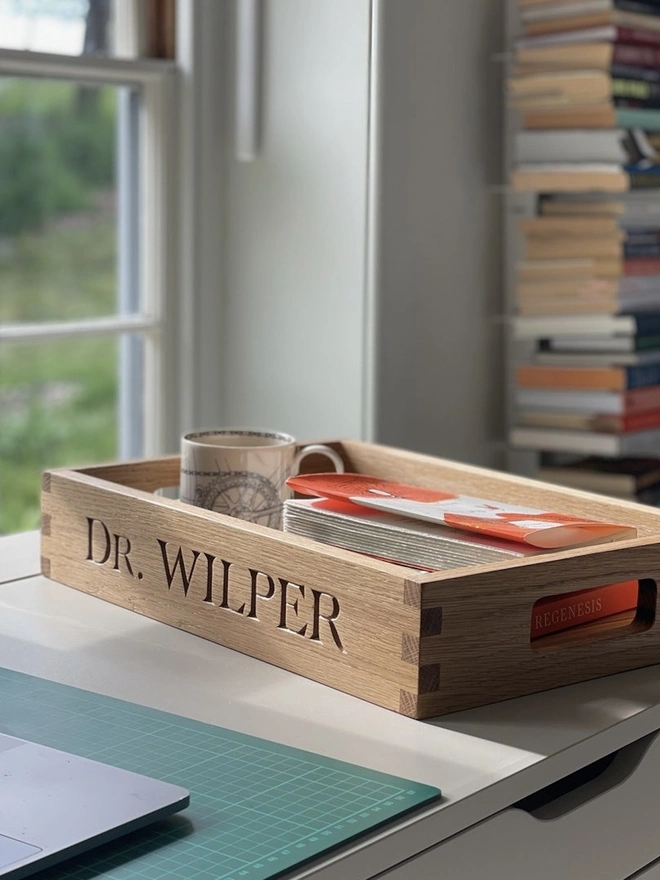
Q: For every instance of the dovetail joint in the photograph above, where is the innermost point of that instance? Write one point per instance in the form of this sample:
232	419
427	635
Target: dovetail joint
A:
429	678
409	649
46	520
412	594
431	622
407	704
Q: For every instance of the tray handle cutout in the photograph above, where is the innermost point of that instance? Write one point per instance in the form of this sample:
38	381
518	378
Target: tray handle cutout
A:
582	616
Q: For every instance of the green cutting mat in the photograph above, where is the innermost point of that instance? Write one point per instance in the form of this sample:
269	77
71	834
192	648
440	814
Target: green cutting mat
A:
257	809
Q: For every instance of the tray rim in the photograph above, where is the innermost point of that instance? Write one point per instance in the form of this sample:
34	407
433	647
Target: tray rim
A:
99	476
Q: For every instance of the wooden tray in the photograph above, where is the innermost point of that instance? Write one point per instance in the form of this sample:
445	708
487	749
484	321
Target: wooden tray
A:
420	644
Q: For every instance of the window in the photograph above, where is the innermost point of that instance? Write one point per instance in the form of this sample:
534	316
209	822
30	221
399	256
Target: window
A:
67	27
88	245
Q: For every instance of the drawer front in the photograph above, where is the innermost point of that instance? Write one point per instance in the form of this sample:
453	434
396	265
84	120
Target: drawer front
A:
605	828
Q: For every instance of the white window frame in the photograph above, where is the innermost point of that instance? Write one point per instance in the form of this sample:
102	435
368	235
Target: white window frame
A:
159	233
204	150
186	103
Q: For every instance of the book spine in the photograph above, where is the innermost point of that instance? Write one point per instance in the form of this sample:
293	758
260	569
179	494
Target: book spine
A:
636	89
642	375
588	378
641	250
627	423
640	400
628	102
637	36
635	117
573	378
638	284
647	324
552	27
641	421
633	73
644	180
643	236
636	56
643	266
641	6
647	343
558	613
649	496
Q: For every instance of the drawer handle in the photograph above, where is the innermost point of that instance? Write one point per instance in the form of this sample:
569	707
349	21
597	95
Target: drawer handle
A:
576	789
576	617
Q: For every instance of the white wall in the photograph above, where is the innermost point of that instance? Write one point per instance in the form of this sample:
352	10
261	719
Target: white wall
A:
439	362
298	274
295	228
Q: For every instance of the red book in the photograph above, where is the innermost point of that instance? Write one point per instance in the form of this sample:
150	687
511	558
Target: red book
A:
636	36
636	56
624	424
640	400
642	266
556	613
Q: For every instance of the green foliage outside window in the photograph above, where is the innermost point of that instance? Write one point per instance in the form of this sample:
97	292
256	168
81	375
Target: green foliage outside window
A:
57	261
57	145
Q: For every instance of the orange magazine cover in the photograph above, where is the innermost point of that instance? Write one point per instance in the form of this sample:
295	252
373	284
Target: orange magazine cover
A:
509	521
588	378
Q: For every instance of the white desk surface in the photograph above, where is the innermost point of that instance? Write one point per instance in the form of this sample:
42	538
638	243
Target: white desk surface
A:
483	759
19	556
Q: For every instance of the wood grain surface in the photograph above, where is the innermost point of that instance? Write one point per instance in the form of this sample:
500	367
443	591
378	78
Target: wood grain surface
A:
418	643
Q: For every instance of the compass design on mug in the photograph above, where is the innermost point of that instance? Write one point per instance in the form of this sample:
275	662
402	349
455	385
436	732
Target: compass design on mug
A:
243	494
242	472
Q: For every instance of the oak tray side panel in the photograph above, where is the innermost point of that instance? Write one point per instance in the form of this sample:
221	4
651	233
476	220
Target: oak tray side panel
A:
484	651
420	644
324	613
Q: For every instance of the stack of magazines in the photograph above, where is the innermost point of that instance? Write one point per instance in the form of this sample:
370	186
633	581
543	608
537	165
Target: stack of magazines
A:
430	528
395	538
433	530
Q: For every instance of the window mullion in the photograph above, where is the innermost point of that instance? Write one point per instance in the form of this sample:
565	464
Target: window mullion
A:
131	346
84	68
42	331
159	267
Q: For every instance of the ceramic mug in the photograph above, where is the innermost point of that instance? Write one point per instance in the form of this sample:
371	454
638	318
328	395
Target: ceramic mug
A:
242	472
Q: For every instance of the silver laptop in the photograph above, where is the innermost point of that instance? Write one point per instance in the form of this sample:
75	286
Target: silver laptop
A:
54	805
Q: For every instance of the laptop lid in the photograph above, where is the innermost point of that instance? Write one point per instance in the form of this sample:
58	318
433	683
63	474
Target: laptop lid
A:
54	805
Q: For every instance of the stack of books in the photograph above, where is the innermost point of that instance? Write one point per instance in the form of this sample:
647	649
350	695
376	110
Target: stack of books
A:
632	479
608	410
585	82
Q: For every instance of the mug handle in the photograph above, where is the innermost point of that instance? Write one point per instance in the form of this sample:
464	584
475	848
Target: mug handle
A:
334	457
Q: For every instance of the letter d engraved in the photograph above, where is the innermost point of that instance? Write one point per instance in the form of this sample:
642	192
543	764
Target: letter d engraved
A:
90	541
